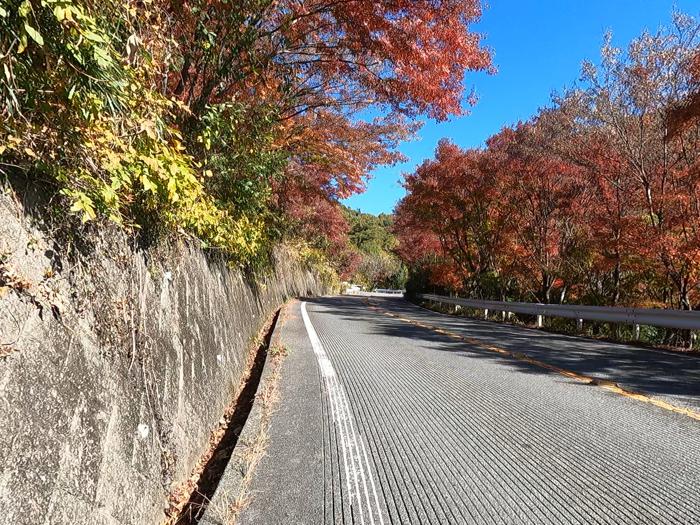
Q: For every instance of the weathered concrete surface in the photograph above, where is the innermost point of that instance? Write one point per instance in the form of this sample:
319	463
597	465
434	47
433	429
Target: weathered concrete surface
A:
116	366
288	376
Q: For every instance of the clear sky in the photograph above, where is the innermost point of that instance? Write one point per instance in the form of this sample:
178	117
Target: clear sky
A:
538	47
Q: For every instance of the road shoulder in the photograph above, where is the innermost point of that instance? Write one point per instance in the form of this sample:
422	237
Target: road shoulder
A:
288	483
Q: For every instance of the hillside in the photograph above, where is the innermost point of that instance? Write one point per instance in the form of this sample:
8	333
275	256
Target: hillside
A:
372	239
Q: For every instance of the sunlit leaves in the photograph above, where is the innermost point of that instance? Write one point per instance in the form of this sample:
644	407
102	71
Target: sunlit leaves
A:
234	122
596	199
34	34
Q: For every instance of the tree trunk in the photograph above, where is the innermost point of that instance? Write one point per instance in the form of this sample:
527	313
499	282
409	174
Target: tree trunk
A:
616	283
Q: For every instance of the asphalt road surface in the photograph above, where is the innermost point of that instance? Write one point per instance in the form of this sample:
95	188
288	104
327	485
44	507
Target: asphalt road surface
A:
382	421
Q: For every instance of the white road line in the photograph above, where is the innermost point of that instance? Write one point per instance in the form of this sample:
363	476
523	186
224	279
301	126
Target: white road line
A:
340	414
337	410
347	436
355	438
355	461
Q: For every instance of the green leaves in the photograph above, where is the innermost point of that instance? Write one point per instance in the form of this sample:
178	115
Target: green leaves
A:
89	115
34	34
24	9
84	205
102	57
236	146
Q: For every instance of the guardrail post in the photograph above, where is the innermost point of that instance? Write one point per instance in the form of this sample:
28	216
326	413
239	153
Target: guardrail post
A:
579	325
540	321
486	313
503	316
636	332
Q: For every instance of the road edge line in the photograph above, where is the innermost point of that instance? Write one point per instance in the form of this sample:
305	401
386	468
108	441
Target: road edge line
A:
334	387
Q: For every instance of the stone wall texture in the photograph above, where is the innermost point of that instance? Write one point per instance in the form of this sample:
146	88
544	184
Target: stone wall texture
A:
116	365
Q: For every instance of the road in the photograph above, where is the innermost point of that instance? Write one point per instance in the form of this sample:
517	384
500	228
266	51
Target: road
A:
381	420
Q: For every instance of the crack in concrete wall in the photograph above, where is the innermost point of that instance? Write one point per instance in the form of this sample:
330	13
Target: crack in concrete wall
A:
119	373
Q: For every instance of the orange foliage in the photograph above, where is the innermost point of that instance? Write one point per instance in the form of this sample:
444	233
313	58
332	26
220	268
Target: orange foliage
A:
598	196
408	54
322	64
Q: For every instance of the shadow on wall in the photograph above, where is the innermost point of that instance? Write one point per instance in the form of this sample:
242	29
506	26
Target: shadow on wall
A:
119	361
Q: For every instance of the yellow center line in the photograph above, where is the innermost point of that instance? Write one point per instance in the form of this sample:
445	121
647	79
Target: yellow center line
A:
610	386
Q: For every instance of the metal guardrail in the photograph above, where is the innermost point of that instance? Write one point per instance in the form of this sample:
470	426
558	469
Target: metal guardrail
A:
680	319
388	291
377	292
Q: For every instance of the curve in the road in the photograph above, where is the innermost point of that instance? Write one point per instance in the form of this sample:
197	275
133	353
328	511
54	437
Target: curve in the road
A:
608	385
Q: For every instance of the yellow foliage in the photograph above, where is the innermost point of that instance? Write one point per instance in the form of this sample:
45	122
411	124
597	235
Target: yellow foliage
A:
107	138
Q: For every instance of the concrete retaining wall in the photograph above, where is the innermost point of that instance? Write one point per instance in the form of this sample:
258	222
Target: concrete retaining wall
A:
116	366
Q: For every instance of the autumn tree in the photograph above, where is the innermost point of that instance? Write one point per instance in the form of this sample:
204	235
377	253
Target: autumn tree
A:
456	199
320	65
604	207
410	55
420	249
600	190
628	99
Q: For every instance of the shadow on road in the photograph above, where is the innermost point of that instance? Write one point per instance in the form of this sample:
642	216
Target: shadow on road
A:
653	372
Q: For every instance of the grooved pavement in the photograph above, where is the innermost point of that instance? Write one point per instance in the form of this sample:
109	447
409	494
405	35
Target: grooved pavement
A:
456	434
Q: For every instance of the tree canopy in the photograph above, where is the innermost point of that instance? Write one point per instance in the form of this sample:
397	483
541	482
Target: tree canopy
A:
596	199
239	123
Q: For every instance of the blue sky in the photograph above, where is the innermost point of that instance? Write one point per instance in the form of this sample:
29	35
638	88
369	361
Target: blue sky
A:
538	47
